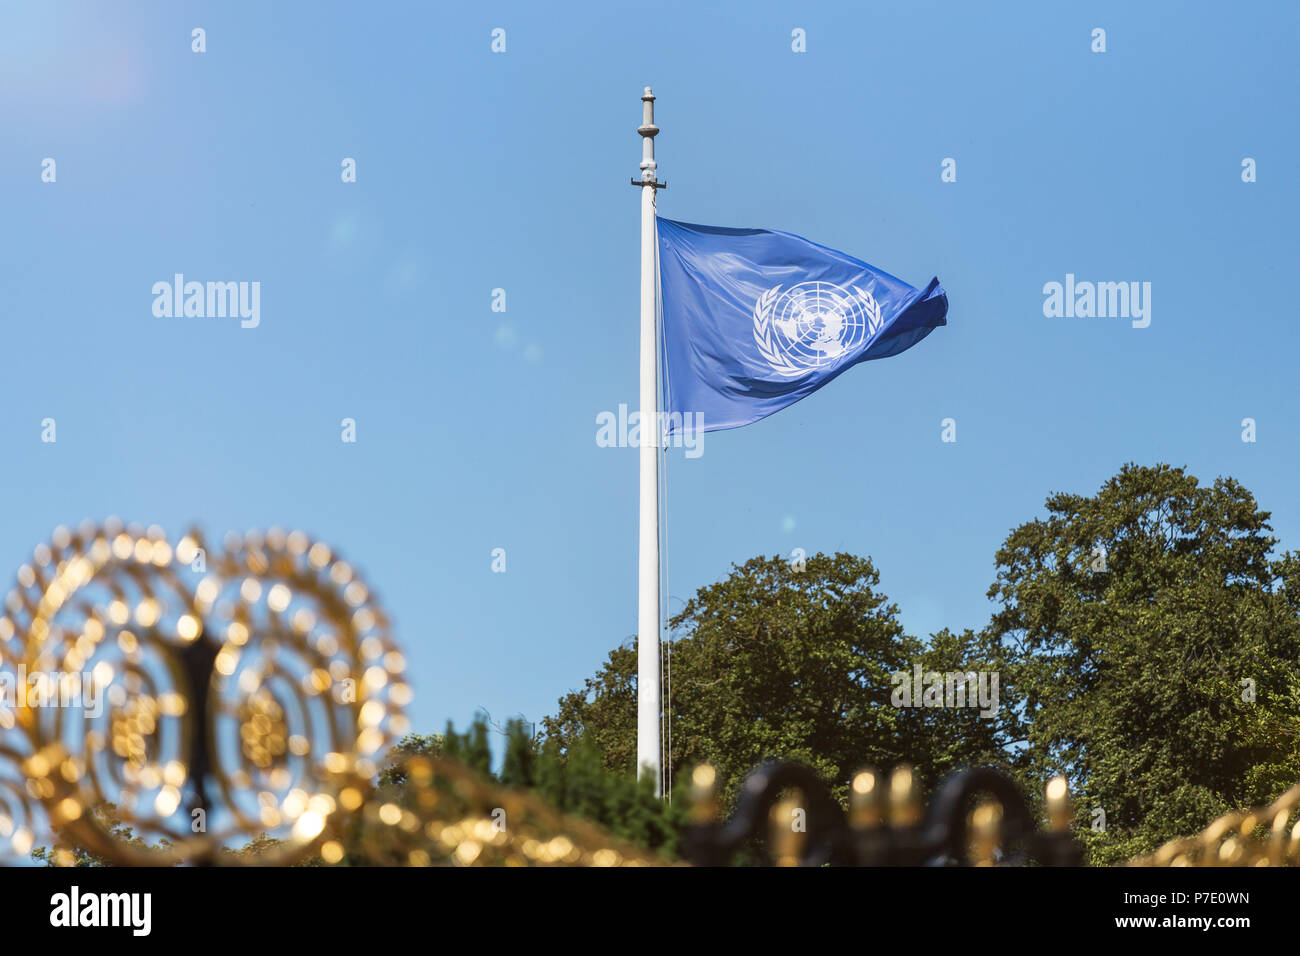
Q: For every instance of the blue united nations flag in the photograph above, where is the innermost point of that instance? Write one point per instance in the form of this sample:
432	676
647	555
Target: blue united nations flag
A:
754	320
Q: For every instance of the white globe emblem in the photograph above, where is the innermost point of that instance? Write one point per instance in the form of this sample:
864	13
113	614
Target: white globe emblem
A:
811	325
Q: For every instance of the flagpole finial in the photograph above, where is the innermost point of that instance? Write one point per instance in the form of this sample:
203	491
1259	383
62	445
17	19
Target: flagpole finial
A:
648	131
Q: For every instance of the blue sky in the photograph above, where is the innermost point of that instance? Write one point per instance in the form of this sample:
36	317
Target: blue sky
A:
476	430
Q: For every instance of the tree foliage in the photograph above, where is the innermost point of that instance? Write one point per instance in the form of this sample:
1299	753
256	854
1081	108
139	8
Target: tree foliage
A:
575	779
1145	639
791	661
106	816
1155	648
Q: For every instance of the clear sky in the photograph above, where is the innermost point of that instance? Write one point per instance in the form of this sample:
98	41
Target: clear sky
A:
479	170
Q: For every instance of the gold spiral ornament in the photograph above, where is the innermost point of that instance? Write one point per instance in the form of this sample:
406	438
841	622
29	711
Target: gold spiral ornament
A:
1261	836
20	817
444	814
170	703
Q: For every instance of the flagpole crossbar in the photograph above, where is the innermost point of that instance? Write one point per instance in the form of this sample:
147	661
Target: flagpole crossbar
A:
656	185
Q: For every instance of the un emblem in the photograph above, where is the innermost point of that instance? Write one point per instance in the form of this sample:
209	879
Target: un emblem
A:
811	325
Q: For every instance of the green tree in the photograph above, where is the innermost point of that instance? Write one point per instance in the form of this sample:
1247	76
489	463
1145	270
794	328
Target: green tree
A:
475	750
519	766
550	773
108	820
1141	620
947	738
794	662
412	745
573	780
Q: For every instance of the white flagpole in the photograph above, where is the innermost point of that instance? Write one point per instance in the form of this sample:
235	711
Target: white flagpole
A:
648	606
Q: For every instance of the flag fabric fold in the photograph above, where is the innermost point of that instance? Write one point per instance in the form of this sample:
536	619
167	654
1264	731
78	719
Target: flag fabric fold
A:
755	319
